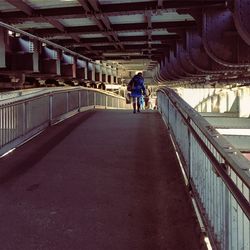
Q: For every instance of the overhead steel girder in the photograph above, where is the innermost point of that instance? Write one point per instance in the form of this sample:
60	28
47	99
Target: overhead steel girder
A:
159	76
181	56
112	9
198	56
163	72
241	14
188	72
170	70
176	67
221	44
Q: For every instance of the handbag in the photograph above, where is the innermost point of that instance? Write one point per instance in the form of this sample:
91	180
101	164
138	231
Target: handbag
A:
130	85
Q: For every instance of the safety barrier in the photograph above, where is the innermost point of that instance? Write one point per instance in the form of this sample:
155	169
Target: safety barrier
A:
25	116
216	172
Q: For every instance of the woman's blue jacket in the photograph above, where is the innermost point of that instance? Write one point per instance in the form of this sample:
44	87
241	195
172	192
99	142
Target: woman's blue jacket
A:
138	88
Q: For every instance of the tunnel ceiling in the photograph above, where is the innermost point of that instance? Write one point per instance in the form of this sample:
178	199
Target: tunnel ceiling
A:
190	40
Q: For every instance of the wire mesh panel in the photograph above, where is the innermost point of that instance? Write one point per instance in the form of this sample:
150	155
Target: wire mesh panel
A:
115	102
91	98
99	99
110	102
84	97
37	112
12	120
73	100
23	116
60	104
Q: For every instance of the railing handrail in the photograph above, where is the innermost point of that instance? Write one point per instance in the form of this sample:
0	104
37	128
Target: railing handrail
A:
46	91
233	160
238	162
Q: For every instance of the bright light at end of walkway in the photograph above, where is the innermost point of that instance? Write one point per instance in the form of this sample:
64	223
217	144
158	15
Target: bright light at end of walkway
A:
207	241
11	150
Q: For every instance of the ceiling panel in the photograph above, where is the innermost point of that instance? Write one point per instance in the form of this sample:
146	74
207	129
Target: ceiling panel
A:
125	27
61	37
139	33
72	22
6	7
170	17
124	19
31	25
161	32
49	4
96	35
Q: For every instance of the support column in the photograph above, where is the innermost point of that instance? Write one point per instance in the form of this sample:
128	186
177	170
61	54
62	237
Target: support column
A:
2	48
80	64
114	73
85	70
36	55
58	62
98	72
109	74
104	73
91	71
74	67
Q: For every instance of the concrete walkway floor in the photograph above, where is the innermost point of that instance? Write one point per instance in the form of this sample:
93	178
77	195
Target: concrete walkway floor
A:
101	180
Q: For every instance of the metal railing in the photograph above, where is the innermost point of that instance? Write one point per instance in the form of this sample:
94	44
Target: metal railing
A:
25	116
217	173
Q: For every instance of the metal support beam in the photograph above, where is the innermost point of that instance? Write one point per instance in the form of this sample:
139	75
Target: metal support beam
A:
21	6
2	48
84	5
36	55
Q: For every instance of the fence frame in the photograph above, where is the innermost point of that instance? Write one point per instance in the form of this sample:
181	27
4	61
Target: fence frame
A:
217	174
26	115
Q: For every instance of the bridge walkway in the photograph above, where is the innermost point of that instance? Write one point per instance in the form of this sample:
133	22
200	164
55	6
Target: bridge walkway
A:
103	179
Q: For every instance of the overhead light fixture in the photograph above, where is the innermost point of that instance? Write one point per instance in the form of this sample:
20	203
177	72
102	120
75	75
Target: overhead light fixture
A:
10	32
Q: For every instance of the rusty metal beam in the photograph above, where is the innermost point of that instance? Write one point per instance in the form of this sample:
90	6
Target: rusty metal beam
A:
94	5
55	23
21	6
29	11
123	40
107	9
75	37
84	5
171	4
118	27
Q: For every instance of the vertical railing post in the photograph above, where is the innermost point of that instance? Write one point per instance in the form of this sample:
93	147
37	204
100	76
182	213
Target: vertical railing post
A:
226	219
87	97
67	101
106	101
24	117
50	108
189	153
79	101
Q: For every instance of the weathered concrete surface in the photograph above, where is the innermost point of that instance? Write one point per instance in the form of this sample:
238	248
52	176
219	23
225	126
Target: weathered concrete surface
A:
102	180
